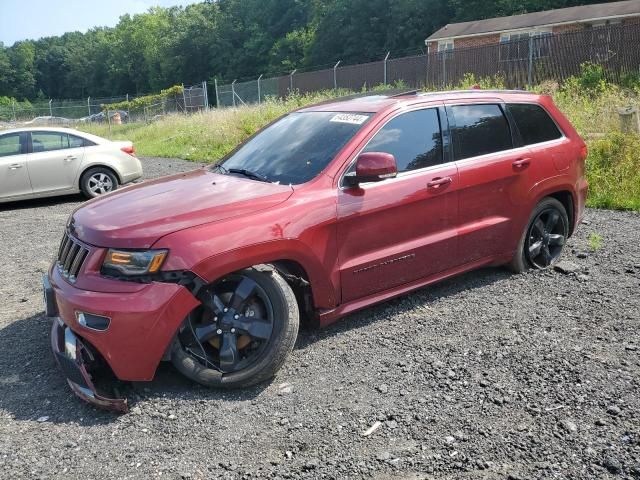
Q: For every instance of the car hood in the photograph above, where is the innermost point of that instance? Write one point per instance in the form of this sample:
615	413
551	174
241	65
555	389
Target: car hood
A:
137	216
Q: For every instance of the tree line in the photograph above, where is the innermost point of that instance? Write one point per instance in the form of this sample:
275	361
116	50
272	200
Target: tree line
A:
232	39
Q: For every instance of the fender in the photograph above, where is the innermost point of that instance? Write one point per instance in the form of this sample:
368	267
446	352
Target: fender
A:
302	230
323	288
94	164
537	192
549	186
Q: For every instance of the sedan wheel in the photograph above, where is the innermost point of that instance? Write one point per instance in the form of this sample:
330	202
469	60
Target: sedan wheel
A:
98	181
242	333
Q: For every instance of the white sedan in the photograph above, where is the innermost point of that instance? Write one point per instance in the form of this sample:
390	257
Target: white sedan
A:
44	162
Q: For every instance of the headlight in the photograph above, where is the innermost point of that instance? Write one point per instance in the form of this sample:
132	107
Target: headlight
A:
131	262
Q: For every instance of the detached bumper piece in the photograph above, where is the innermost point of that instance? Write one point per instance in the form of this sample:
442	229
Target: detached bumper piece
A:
76	359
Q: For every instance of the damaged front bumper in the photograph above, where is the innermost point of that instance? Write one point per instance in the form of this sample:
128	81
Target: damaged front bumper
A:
75	359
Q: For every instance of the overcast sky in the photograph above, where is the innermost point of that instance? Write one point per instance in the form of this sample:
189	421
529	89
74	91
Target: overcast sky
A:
32	19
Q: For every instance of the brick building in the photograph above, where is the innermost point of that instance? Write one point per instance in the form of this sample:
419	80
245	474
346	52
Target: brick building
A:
514	33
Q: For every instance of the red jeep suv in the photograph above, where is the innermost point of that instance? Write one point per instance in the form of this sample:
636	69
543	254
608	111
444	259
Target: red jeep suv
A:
327	210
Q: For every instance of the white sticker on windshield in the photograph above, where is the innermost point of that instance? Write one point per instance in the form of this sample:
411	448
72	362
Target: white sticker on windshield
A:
349	118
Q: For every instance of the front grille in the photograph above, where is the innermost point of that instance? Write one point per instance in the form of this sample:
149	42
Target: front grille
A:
71	256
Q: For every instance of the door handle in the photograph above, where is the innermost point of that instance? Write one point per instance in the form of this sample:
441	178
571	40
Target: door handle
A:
70	158
438	183
15	166
521	163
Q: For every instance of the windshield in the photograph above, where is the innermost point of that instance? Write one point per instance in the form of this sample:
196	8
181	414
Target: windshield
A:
295	148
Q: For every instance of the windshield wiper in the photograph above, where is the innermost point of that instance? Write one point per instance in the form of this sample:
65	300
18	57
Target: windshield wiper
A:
248	173
222	169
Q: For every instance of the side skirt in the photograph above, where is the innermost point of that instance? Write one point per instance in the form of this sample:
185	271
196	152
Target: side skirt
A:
328	317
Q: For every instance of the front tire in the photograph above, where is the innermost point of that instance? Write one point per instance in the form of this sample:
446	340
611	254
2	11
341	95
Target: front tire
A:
544	238
241	335
98	181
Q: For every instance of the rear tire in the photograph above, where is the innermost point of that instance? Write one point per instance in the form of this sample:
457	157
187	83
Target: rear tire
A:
98	181
544	237
197	350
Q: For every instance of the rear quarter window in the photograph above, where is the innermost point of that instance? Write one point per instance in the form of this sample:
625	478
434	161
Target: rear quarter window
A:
75	142
534	123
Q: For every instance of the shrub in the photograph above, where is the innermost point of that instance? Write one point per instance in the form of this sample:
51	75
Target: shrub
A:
10	106
592	76
613	171
631	81
469	80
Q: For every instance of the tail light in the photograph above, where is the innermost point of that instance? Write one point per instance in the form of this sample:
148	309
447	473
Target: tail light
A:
130	150
583	153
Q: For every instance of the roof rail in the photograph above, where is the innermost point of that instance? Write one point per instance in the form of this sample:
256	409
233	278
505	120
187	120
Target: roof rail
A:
478	90
344	98
404	94
373	95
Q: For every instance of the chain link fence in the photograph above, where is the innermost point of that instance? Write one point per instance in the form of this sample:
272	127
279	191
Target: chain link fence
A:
195	98
255	91
519	63
93	109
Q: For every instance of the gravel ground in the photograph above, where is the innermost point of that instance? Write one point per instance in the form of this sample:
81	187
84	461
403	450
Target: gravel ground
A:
489	375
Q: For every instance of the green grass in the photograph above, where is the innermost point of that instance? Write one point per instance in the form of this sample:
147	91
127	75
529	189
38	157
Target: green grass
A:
205	136
595	241
613	165
613	171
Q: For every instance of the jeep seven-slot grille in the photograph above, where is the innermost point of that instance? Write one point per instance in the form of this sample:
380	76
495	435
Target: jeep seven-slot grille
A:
71	256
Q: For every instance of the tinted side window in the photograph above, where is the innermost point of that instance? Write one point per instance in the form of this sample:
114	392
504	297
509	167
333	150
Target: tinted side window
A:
10	145
413	138
479	129
49	141
534	123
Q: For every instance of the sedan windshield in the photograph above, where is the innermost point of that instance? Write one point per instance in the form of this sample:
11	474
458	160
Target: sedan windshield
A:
296	148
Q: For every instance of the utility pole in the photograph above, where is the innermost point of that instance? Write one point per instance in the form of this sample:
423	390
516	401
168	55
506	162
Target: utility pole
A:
259	78
335	76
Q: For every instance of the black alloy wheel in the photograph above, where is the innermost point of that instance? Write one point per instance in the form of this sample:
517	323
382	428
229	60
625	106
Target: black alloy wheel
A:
241	334
235	325
546	238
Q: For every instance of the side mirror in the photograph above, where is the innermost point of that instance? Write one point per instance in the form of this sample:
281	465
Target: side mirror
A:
372	167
